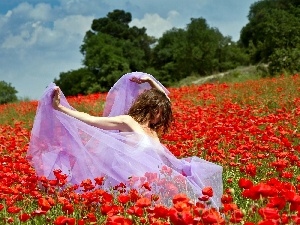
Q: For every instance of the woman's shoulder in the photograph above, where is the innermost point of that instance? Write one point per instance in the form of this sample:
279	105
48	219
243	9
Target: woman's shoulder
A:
130	123
127	119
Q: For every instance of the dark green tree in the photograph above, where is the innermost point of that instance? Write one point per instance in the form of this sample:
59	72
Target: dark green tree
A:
170	57
203	43
81	81
7	93
198	49
273	32
112	48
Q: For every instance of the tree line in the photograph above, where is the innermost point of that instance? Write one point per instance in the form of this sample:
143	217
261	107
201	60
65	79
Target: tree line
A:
112	48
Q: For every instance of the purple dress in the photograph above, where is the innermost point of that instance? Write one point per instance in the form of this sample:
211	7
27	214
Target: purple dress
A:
81	151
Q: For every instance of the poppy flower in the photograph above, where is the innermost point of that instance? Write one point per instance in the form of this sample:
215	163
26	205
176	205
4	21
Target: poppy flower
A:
143	202
123	198
212	216
44	204
207	191
99	180
245	183
120	220
269	213
68	208
24	217
13	209
146	185
62	220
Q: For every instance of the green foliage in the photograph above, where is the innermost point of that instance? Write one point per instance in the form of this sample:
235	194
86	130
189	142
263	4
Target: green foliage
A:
7	93
170	56
112	48
81	81
285	61
273	34
198	49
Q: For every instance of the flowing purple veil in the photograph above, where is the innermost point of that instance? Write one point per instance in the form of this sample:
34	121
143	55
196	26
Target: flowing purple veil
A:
81	151
124	92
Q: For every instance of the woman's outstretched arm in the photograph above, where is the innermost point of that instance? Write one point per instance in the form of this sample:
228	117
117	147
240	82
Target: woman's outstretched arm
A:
121	123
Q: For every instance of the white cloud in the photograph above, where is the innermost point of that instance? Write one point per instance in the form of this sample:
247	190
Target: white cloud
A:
8	14
74	24
4	19
155	24
27	11
41	12
12	42
64	30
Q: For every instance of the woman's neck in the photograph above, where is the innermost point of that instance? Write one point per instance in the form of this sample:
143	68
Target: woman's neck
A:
148	130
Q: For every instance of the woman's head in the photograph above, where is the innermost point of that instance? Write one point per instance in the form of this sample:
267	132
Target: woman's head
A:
154	107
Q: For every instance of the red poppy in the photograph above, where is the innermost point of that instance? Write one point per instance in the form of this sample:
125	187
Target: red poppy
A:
277	202
245	183
118	220
204	198
143	202
160	211
135	210
24	217
87	185
99	180
236	216
91	217
44	204
250	169
226	198
269	213
68	208
62	220
180	198
212	216
207	191
146	185
13	209
123	198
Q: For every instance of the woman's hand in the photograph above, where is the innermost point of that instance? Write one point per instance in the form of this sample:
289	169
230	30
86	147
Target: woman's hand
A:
149	80
56	98
141	80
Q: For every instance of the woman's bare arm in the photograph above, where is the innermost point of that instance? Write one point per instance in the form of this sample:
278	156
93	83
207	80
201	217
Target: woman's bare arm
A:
121	123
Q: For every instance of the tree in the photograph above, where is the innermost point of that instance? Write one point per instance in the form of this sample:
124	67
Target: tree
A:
170	56
204	42
81	81
112	48
273	31
198	49
7	93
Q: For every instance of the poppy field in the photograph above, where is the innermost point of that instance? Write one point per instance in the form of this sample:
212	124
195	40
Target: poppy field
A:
252	129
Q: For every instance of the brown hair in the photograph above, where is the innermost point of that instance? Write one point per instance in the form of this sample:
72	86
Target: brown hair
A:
146	107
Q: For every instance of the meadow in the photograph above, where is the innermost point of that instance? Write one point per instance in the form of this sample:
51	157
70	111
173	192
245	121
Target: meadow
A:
251	128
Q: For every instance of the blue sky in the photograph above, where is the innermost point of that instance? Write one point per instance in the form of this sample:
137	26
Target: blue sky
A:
39	38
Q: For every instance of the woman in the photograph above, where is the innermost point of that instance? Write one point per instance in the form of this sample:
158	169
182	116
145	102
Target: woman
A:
150	113
123	145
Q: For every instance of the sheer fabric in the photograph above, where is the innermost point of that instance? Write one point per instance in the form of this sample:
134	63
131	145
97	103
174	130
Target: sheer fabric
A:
81	151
